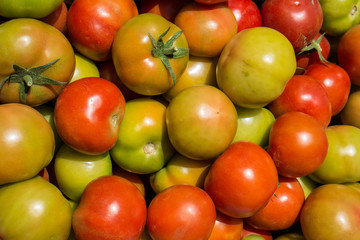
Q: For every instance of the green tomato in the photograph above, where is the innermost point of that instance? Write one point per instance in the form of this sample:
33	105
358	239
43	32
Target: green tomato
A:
255	66
253	237
33	209
143	145
307	185
28	9
290	236
74	170
84	67
339	15
342	162
254	125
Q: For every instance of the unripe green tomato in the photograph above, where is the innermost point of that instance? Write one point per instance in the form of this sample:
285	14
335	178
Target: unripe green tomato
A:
84	67
143	145
74	170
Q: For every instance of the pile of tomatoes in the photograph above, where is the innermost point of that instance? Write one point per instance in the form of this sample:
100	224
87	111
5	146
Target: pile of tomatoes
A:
166	119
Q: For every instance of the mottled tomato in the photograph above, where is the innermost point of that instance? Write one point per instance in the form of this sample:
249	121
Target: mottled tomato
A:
57	18
236	192
92	25
246	12
181	212
165	8
207	28
297	144
88	113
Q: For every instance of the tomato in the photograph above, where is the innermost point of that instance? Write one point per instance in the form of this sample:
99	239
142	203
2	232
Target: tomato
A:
33	202
339	16
105	212
236	192
92	25
304	94
132	177
201	122
210	1
89	103
37	61
142	145
291	236
181	212
57	18
253	73
336	82
246	12
331	212
207	28
28	9
180	170
226	228
299	20
307	184
84	67
165	8
283	209
27	142
249	230
342	161
145	58
348	51
350	115
297	144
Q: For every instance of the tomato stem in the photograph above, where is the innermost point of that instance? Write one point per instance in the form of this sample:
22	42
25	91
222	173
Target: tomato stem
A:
314	46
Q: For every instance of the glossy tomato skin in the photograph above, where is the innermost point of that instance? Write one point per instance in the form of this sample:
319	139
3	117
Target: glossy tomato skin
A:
103	19
335	81
165	8
132	56
348	51
27	142
28	9
236	192
32	43
246	12
226	227
207	28
304	94
57	18
331	212
181	212
89	103
299	21
283	209
350	114
249	230
84	67
105	212
297	144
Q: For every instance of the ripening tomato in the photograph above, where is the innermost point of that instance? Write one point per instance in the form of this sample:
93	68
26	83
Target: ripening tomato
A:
165	8
57	18
246	12
28	9
226	228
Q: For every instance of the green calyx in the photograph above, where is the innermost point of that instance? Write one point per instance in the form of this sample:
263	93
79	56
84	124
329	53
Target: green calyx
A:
29	77
166	50
314	46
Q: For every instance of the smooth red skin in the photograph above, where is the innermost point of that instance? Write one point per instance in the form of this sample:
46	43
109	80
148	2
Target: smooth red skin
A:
335	81
92	25
249	230
299	20
303	94
297	144
248	186
166	8
226	228
111	207
181	212
283	210
83	115
348	52
58	18
246	12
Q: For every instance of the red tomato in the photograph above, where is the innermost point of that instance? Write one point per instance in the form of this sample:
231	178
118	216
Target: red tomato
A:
335	81
226	228
242	179
58	18
283	210
207	28
106	213
165	8
181	212
92	25
303	94
88	113
246	12
249	230
297	144
299	20
209	1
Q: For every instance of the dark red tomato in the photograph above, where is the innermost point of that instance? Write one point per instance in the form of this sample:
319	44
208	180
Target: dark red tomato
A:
297	144
249	230
181	212
283	209
248	186
165	8
303	94
246	12
299	20
88	113
335	81
92	25
57	18
106	213
226	228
